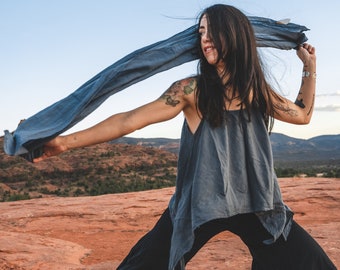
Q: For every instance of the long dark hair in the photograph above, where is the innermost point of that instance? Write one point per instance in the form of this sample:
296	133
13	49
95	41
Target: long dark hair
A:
233	37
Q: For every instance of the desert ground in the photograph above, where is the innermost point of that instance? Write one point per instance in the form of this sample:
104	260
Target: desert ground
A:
97	232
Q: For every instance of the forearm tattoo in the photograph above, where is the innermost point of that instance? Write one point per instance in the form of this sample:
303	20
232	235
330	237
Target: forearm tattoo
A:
311	107
287	110
299	102
177	89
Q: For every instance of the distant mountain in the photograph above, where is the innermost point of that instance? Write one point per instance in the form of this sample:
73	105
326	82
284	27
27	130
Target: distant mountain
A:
171	145
94	170
325	148
134	164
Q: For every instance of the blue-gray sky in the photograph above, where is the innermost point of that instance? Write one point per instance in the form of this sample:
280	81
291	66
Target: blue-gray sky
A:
49	48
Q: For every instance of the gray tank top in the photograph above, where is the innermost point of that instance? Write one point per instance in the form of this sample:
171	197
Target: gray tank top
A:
222	172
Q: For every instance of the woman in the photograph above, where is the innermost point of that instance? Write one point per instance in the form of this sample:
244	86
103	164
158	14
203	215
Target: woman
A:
226	178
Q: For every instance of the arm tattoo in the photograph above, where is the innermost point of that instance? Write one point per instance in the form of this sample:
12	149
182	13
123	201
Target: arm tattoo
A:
299	102
171	96
287	110
169	100
190	87
311	107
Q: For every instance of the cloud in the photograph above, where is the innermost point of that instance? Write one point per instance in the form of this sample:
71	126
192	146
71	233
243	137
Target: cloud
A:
328	108
334	94
328	102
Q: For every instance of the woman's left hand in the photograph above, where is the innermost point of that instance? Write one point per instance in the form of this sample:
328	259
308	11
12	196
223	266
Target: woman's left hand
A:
306	53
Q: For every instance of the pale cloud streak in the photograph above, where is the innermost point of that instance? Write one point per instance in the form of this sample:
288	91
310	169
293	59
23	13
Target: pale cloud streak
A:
328	102
334	94
328	108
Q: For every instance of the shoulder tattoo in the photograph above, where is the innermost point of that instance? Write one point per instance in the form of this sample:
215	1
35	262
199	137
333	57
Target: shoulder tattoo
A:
177	90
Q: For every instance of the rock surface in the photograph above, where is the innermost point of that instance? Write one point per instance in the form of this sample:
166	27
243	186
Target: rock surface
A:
95	233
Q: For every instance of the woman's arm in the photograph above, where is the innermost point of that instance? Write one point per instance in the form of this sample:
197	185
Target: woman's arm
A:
300	112
169	105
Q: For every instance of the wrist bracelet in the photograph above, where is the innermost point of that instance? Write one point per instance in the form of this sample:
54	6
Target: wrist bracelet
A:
306	74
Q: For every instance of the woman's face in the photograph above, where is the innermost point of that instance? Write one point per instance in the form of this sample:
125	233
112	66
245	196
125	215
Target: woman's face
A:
207	45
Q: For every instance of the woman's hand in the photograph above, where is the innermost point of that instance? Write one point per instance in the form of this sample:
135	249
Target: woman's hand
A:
52	148
306	53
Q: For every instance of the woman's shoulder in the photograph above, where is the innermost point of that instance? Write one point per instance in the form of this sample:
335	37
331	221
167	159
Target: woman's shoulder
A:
188	84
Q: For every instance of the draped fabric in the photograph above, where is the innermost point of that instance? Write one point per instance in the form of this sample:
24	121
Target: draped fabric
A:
31	134
222	172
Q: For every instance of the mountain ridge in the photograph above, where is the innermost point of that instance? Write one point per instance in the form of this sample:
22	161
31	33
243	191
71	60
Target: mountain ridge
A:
285	148
135	164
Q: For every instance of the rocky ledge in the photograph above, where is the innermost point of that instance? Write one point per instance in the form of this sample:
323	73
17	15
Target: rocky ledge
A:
97	232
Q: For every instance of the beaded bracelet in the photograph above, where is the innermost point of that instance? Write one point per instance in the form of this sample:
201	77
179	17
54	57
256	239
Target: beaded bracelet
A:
307	74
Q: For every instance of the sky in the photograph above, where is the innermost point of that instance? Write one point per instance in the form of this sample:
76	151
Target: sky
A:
50	48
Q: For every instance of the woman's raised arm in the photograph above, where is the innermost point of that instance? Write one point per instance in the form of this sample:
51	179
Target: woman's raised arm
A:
300	111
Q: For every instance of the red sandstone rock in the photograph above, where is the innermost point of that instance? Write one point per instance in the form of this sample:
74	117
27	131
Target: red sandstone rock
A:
95	233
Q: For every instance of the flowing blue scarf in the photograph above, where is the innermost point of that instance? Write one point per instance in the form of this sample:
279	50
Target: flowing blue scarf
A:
31	134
